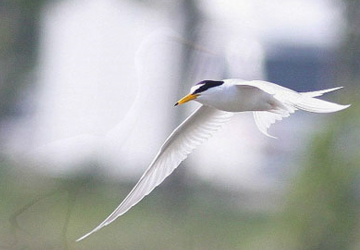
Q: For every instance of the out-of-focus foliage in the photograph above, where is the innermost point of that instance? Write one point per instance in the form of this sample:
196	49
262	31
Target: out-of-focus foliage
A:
46	213
322	209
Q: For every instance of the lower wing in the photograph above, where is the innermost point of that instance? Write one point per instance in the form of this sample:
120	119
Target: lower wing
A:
197	128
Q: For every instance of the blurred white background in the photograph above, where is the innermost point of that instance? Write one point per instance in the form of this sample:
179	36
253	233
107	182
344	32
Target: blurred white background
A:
109	72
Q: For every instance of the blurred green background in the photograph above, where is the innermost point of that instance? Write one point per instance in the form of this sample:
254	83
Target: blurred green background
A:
317	206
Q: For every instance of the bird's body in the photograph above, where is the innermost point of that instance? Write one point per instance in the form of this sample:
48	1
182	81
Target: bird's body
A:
236	97
269	102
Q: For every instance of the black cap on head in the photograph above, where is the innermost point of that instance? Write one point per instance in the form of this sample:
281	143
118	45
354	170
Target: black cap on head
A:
206	84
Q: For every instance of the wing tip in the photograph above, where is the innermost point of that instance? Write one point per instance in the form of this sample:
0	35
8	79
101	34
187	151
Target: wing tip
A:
346	106
268	135
84	236
91	232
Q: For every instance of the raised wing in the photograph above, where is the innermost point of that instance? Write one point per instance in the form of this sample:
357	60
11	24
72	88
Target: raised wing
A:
289	101
284	96
197	128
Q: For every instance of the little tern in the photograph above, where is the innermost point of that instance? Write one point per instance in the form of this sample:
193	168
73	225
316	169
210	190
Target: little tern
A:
220	99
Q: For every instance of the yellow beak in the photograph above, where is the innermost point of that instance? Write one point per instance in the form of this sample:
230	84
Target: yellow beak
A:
187	98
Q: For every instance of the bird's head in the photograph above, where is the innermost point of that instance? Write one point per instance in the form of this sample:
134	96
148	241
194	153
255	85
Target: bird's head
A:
200	90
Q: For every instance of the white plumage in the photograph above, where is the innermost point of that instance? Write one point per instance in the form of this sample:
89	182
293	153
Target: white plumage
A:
221	99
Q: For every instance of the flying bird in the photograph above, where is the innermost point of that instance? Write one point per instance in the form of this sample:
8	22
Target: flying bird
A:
220	100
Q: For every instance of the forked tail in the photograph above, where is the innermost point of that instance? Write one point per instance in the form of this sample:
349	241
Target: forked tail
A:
307	102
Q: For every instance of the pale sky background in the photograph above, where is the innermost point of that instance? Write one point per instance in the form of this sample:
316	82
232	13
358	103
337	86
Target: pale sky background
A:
107	77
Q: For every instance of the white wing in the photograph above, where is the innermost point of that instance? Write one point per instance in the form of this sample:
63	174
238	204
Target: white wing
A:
192	132
289	101
264	119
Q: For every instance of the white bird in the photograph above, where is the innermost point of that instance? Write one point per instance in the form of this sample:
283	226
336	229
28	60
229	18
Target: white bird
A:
269	102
